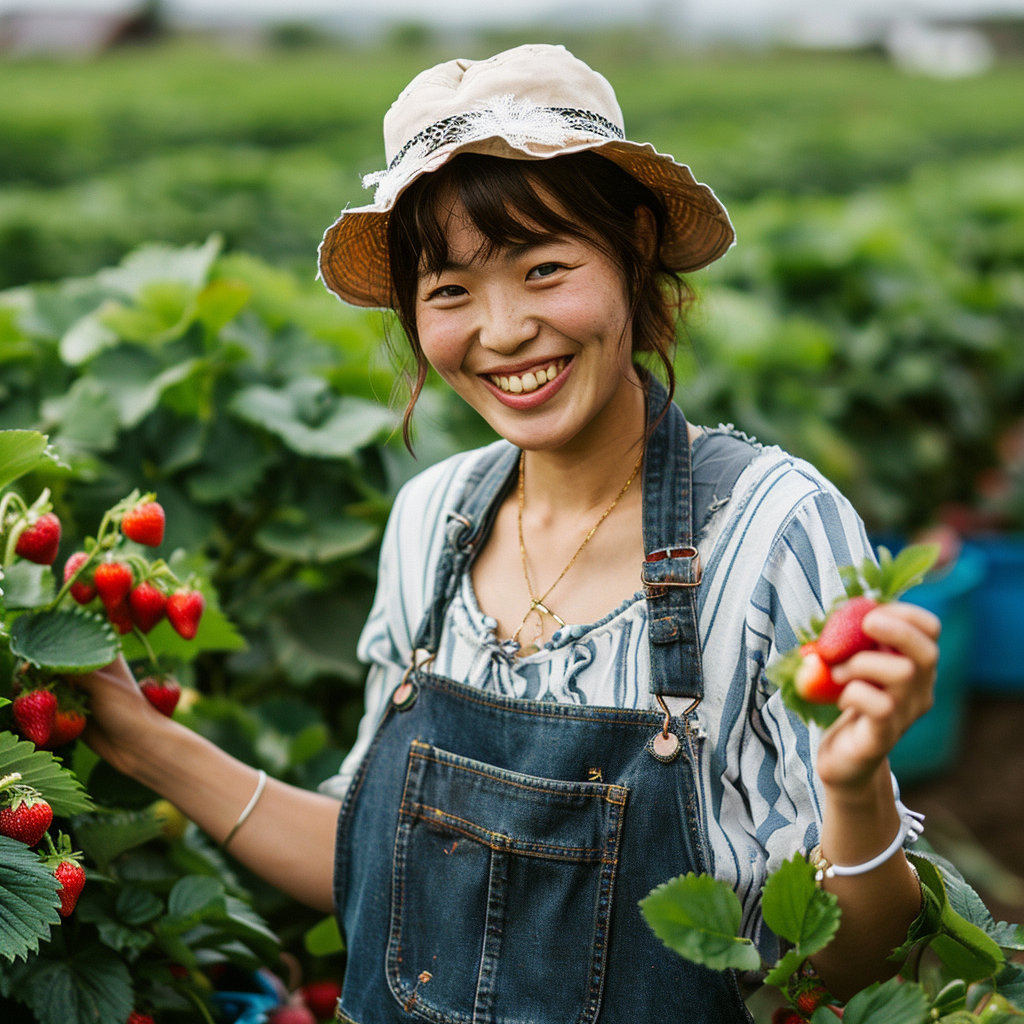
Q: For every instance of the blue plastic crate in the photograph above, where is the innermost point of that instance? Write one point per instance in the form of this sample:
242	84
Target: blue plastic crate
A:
929	746
996	664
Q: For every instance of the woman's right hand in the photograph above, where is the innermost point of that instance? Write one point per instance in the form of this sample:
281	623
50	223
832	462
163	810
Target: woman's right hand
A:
120	716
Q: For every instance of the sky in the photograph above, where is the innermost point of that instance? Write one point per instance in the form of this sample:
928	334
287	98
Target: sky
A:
742	17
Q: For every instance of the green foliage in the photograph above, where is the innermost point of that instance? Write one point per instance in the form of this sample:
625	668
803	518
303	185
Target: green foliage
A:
64	641
41	770
324	938
20	452
800	912
28	900
699	917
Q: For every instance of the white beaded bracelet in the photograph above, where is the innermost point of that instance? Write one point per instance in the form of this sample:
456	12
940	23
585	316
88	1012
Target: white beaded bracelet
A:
247	810
911	824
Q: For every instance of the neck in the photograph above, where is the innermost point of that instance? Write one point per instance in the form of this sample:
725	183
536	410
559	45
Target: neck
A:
589	472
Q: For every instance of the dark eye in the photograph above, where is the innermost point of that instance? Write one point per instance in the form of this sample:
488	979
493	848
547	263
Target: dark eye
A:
448	291
544	270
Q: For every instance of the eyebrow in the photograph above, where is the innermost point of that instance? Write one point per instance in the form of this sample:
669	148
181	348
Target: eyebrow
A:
509	253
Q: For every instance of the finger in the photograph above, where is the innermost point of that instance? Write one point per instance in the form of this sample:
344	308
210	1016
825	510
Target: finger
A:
904	633
882	668
865	699
926	621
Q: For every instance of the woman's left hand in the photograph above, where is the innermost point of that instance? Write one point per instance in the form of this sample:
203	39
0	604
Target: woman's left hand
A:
885	692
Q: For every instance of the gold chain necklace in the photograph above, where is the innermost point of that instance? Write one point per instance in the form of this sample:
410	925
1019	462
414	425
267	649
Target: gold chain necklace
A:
537	603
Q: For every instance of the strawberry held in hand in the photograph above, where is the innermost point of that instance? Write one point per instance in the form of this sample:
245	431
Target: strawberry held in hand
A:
804	674
39	542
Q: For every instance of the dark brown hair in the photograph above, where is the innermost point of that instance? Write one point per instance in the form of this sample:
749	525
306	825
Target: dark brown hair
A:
600	202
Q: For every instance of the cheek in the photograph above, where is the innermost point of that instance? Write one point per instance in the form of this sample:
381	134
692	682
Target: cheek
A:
442	342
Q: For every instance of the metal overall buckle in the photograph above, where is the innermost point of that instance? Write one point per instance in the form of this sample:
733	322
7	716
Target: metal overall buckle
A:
690	553
405	693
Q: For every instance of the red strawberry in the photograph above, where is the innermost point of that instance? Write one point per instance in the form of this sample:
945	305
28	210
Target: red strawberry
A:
120	616
71	876
39	542
81	590
813	679
147	605
139	1018
34	712
163	694
113	581
291	1015
787	1015
26	819
809	1000
68	725
842	636
144	524
322	998
184	610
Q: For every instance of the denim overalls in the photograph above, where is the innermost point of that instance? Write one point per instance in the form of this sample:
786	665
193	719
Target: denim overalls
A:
492	851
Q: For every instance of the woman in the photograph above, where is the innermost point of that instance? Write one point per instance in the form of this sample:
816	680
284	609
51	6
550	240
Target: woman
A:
543	741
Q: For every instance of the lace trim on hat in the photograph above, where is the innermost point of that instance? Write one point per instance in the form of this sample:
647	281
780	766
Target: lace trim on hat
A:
518	122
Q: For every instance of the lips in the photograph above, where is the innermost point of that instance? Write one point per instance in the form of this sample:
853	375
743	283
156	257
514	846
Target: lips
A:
517	384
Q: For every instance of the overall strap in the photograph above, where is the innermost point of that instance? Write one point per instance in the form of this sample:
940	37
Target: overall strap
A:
671	571
468	525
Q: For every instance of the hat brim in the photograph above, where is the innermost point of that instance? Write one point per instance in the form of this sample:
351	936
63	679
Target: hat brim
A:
353	256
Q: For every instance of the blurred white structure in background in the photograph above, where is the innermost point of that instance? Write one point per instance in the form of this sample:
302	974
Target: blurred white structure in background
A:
941	52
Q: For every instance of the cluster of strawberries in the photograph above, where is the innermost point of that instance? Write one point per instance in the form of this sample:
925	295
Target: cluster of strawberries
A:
807	1000
132	591
841	638
26	817
136	594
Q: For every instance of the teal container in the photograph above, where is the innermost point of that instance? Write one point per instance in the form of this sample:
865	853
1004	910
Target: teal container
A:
930	745
996	664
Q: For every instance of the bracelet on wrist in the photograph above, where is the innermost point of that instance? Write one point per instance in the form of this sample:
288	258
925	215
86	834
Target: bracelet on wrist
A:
911	824
247	810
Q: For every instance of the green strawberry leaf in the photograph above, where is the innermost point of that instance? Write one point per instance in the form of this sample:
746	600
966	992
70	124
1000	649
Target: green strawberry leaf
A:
699	917
871	573
193	899
798	911
64	641
907	570
20	453
90	985
106	836
324	939
27	585
41	770
28	900
851	581
895	1002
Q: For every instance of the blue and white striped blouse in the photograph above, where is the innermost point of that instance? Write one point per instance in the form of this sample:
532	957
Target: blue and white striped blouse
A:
770	555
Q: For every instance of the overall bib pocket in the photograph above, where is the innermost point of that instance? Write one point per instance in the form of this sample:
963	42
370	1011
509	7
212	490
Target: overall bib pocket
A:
501	893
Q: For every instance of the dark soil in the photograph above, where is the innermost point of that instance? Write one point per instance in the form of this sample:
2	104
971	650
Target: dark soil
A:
980	803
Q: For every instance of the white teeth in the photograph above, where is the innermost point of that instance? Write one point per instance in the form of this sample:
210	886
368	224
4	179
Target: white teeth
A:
528	381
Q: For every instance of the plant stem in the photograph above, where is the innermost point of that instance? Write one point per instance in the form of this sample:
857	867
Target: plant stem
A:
200	1005
145	643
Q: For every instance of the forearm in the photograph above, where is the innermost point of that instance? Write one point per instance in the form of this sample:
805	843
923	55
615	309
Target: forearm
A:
288	839
877	907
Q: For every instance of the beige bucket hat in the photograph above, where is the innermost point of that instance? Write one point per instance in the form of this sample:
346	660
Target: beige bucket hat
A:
529	103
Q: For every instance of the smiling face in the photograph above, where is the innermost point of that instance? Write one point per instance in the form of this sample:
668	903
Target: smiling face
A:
536	337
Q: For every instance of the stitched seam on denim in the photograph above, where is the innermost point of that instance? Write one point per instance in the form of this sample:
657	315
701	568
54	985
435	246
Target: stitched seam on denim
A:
553	789
483	1001
602	918
498	840
600	715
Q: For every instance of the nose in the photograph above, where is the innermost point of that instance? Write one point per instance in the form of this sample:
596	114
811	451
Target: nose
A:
506	322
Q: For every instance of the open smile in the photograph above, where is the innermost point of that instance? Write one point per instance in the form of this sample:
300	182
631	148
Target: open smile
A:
530	387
